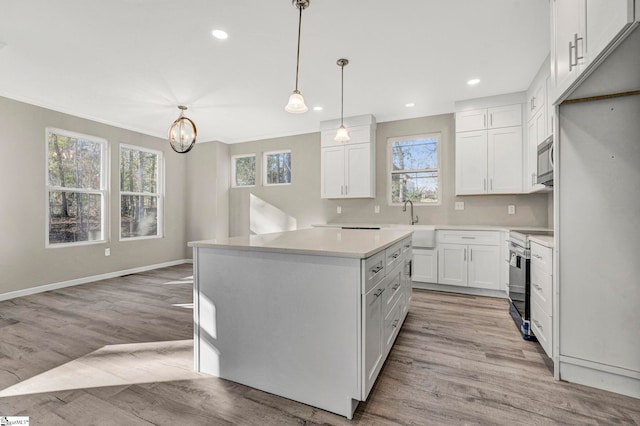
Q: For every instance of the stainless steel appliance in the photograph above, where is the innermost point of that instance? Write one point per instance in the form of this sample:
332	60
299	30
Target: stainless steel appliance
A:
520	279
545	162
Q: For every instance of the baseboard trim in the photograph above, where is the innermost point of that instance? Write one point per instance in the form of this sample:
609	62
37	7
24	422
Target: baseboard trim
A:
85	280
458	289
600	376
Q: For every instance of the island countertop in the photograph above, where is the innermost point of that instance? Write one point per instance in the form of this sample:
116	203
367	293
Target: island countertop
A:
355	243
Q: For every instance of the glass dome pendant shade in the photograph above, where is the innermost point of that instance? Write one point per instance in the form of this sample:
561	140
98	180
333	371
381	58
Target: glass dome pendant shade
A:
182	133
296	103
342	135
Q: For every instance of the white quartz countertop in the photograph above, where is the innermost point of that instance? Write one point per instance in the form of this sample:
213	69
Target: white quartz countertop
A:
436	227
543	240
327	241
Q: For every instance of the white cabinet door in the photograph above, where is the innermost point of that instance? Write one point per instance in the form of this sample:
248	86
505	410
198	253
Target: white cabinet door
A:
505	160
425	265
471	163
467	121
452	264
570	42
505	116
536	134
333	172
358	170
484	267
373	320
606	20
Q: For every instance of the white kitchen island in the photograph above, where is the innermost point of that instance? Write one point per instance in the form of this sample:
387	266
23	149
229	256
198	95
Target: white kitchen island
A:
309	315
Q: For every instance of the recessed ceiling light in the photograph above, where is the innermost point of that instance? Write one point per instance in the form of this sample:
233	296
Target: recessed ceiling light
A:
410	105
317	108
219	34
473	81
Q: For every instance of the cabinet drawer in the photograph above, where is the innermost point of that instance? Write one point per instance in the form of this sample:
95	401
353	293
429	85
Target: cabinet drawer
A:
374	269
541	288
391	326
406	245
393	255
542	256
541	326
468	237
392	289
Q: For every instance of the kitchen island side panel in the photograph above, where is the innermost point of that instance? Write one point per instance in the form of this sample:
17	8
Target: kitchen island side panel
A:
286	324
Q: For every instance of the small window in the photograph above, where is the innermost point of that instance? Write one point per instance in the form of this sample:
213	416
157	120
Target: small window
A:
76	188
243	170
140	192
414	168
277	168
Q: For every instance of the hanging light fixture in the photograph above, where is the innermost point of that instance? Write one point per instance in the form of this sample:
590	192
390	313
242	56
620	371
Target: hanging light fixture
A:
342	135
296	101
182	133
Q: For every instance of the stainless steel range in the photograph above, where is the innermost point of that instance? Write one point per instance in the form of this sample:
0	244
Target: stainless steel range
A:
520	279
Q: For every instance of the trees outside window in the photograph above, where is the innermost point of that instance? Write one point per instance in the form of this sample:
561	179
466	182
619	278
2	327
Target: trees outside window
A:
414	167
277	168
243	170
76	188
141	178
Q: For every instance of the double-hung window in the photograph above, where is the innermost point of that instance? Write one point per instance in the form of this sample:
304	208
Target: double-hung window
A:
76	188
414	169
141	195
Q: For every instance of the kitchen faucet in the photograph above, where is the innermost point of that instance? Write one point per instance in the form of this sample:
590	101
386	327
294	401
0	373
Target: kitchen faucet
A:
404	209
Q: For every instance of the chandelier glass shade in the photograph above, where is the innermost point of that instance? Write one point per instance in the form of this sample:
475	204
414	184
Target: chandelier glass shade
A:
182	133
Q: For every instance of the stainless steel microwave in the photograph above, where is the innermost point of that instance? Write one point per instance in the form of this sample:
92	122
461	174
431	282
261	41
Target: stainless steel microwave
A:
545	162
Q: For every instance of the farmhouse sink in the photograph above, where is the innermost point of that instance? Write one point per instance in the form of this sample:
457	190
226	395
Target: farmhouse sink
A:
423	235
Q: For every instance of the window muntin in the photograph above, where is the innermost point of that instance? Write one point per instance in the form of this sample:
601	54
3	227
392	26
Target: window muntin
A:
76	188
277	168
141	178
414	169
243	170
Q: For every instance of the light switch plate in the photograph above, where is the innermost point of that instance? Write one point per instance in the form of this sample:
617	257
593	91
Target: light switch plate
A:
376	209
339	209
107	252
459	205
511	209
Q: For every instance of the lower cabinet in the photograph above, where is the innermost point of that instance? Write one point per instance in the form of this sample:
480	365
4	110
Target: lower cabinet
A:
469	259
425	265
384	307
542	295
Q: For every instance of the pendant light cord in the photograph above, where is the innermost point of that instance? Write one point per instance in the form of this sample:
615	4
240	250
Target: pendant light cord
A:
298	54
341	94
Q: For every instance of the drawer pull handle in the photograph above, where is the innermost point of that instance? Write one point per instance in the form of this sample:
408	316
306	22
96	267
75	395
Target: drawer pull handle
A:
379	292
537	256
395	255
407	246
537	286
468	238
538	324
376	269
395	287
395	323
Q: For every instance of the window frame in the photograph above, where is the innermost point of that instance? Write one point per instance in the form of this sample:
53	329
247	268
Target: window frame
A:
233	170
265	182
160	194
390	172
103	191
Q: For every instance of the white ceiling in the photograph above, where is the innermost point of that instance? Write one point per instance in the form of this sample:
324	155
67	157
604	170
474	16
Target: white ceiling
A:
131	62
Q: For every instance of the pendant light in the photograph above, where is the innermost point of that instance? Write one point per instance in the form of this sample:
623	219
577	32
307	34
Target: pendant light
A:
296	101
182	133
342	135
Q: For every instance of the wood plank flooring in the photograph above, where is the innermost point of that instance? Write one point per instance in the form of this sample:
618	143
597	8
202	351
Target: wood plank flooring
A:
119	352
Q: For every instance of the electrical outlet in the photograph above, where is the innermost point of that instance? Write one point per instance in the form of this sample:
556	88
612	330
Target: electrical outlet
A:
459	205
511	209
376	209
339	209
107	252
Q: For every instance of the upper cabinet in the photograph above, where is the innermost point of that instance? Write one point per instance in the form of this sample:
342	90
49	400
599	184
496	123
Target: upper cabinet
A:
348	168
582	33
489	150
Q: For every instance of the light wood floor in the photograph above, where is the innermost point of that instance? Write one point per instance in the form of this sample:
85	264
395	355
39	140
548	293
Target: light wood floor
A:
119	352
